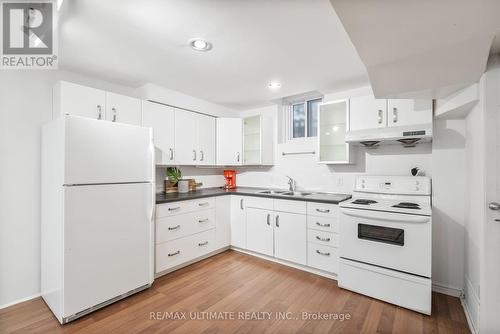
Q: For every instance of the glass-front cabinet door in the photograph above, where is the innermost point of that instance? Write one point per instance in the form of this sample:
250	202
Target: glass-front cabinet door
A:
333	120
252	140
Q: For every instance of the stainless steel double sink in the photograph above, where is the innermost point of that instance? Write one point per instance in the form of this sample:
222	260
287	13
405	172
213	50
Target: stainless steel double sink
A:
285	193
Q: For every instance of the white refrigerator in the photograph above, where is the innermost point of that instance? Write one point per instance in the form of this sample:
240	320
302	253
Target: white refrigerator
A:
97	214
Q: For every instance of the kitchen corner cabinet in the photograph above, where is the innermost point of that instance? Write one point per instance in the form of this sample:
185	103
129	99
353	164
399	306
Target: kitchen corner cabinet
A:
73	99
161	118
229	141
333	121
194	138
258	143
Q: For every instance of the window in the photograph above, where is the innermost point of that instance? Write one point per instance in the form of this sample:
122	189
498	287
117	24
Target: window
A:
304	119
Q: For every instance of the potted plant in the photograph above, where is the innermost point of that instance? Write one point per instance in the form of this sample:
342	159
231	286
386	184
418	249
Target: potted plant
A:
173	176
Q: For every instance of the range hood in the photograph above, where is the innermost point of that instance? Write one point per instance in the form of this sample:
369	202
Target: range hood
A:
408	136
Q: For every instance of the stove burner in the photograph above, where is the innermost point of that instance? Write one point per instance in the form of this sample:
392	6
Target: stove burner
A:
364	201
407	205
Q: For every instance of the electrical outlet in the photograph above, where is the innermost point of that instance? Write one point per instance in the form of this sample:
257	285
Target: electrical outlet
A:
340	181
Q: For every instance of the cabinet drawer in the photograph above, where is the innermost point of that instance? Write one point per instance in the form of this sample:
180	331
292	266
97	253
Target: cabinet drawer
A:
170	209
259	203
326	224
322	238
283	205
202	203
322	209
179	251
178	226
322	257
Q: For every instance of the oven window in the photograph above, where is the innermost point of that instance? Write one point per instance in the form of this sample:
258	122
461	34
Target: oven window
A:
388	235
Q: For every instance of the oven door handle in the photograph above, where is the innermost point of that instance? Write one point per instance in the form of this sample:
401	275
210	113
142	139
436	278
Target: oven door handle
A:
386	216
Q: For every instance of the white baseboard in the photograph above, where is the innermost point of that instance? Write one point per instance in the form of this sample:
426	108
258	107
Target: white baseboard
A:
20	301
447	290
470	304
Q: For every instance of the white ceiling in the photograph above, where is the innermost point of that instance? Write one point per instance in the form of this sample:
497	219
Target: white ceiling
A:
300	43
421	48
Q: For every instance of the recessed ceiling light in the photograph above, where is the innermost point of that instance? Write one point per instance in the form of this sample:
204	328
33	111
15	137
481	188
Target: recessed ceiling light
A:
199	44
274	85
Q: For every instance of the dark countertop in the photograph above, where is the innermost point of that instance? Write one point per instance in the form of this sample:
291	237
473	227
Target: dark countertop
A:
248	191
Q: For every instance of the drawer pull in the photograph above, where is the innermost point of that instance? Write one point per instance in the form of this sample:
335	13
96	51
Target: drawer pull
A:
323	210
174	228
174	254
322	225
321	253
322	239
268	219
203	204
203	220
203	243
173	209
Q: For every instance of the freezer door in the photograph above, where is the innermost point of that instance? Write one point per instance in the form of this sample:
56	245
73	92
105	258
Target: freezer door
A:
106	152
107	242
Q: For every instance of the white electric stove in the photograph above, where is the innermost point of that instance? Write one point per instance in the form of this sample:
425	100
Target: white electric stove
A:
386	240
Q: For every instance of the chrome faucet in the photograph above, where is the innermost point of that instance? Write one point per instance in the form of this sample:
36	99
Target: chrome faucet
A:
291	184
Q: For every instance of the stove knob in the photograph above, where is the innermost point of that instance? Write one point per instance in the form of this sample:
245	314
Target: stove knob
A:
362	186
417	188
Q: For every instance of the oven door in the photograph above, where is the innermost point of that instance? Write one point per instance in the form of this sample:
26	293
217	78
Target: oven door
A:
390	240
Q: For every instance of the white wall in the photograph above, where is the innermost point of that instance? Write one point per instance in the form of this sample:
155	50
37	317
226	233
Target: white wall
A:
26	104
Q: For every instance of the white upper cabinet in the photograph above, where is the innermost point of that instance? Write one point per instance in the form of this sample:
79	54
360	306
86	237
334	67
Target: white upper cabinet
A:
229	141
367	112
258	141
161	118
206	140
408	112
333	120
186	138
123	109
73	99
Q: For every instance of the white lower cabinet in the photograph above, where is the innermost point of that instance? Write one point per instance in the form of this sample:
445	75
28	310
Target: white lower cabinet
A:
238	221
290	237
322	257
260	231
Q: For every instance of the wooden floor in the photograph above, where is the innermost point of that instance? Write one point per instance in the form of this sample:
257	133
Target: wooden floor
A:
248	287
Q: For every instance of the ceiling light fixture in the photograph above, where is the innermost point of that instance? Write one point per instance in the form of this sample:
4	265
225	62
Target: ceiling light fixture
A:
199	44
274	85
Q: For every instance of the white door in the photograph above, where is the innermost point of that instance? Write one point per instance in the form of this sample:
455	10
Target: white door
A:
290	237
107	242
161	118
490	255
123	109
186	138
238	223
73	99
367	112
260	231
206	140
106	152
405	112
229	141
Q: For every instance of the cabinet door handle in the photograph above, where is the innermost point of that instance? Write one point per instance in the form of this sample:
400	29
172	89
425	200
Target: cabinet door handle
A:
171	154
99	112
380	116
277	220
241	204
322	225
394	115
202	156
203	204
114	114
202	220
322	239
203	243
174	228
238	156
268	219
321	253
174	254
323	210
194	155
173	209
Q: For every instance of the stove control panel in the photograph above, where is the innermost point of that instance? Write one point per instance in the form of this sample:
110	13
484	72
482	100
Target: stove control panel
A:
395	185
